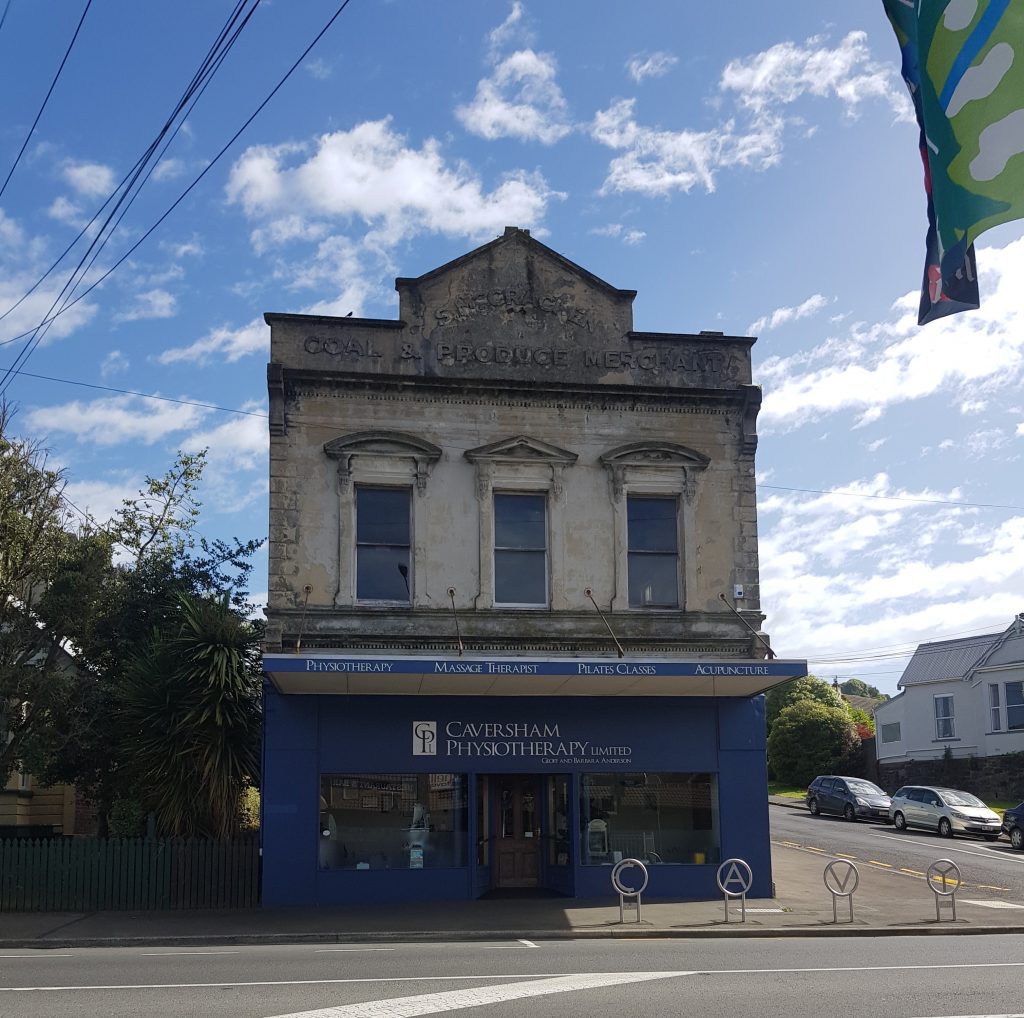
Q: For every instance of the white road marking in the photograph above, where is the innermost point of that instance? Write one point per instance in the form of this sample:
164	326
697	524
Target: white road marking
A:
348	950
531	975
178	954
453	1000
38	954
990	903
527	943
985	853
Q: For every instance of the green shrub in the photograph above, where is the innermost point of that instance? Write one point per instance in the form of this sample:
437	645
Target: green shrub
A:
127	819
809	738
249	809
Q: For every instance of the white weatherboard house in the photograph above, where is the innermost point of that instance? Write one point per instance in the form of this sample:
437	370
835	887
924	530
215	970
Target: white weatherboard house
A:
965	694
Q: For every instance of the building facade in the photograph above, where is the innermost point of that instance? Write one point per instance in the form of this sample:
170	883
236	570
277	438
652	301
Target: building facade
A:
514	619
964	695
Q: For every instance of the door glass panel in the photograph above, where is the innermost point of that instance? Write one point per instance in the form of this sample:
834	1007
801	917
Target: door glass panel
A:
483	813
529	814
558	820
508	820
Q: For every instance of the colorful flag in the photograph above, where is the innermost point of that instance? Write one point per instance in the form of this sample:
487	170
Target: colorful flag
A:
963	61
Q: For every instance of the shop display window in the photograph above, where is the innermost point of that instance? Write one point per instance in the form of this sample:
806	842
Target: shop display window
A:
657	818
393	821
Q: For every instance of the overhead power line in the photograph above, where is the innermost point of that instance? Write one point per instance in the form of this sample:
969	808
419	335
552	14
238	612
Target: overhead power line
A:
51	316
897	498
144	395
49	92
127	192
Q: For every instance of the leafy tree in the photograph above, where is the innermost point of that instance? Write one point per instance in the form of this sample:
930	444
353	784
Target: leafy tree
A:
858	687
189	703
863	721
808	737
132	600
36	547
809	687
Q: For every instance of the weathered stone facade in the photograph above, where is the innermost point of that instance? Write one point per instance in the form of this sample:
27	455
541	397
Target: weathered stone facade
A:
511	368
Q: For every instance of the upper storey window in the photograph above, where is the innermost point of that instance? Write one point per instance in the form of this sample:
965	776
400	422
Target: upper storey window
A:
653	530
383	544
520	549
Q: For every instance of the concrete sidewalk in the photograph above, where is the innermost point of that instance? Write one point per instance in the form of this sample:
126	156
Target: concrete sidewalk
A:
886	903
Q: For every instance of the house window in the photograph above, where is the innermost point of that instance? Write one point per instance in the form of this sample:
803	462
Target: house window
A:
944	717
1014	706
995	721
520	550
653	533
383	544
891	733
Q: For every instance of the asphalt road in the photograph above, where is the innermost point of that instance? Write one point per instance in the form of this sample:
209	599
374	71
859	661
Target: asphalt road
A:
910	977
993	868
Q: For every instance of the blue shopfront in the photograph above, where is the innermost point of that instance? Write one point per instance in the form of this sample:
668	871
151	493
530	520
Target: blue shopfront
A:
405	779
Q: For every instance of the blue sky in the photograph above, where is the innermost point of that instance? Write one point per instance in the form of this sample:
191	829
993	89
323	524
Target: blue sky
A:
747	167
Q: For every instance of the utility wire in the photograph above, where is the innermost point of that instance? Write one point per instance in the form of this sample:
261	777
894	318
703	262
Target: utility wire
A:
53	84
144	395
64	298
3	17
202	73
5	381
897	498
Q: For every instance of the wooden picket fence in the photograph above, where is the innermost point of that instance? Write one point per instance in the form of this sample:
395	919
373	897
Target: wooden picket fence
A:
90	874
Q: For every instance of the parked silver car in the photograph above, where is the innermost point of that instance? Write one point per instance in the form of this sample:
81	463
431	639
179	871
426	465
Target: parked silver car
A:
945	810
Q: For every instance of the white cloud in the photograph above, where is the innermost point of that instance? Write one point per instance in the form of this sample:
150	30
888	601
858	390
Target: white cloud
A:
284	230
150	304
169	169
371	174
896	361
842	575
319	69
512	28
786	72
653	65
229	343
520	99
100	500
780	316
22	260
240	443
113	364
114	420
63	210
657	162
191	248
93	180
628	236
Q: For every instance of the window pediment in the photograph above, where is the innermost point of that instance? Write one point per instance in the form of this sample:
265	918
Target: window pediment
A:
639	458
383	445
519	451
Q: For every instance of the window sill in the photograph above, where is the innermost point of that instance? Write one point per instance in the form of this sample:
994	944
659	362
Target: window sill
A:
947	740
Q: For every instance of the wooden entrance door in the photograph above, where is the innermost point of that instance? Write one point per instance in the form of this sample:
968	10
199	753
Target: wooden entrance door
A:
517	831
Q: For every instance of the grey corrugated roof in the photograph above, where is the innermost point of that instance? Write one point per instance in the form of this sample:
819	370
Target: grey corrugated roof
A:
946	659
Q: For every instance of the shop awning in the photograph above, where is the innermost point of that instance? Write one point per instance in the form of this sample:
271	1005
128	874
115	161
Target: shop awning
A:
369	675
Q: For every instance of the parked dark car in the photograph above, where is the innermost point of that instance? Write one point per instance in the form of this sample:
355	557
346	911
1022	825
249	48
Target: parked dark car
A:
853	798
1013	824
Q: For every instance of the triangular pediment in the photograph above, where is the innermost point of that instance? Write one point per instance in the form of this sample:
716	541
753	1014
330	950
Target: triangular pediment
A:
514	286
521	449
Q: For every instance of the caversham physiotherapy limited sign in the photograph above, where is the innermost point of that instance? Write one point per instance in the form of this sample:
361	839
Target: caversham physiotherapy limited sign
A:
541	742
